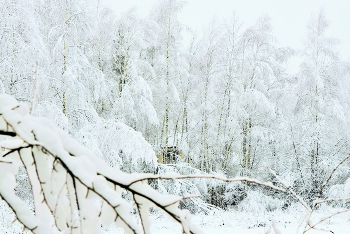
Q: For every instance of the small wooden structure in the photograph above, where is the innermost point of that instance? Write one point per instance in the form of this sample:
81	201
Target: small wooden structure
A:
169	155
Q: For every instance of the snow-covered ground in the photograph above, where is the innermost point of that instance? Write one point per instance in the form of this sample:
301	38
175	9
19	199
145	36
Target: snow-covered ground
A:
228	222
224	222
248	223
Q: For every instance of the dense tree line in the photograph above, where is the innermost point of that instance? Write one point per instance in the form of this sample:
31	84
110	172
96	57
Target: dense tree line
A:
224	99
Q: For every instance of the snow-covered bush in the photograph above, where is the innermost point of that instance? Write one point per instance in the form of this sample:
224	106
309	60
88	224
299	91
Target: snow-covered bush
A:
184	187
259	203
340	190
234	194
119	145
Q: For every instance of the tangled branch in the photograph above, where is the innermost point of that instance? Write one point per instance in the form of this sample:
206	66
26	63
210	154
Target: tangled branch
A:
307	221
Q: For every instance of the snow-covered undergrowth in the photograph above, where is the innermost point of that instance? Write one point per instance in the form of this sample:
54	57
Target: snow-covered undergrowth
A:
257	213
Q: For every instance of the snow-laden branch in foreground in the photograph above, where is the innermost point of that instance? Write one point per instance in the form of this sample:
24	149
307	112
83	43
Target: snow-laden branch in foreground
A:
79	190
175	176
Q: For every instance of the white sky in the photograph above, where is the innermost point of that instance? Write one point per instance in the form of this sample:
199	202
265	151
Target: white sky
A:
289	17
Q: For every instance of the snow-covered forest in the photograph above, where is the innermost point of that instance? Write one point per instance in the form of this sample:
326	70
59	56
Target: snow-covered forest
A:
222	104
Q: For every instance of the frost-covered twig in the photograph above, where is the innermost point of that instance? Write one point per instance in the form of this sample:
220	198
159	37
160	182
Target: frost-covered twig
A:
298	198
19	216
330	176
313	225
316	202
23	214
176	176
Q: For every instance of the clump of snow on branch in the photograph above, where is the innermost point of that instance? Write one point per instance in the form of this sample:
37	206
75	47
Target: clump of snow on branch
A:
119	145
79	190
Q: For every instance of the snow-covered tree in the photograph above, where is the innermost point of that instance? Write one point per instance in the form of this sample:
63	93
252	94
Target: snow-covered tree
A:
73	83
166	53
208	57
258	69
23	57
320	110
130	95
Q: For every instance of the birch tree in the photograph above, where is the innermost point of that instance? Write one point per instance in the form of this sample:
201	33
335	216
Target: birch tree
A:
320	110
258	69
68	38
131	94
210	48
165	91
22	55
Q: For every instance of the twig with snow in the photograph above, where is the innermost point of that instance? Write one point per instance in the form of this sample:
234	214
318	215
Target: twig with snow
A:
176	176
313	226
331	175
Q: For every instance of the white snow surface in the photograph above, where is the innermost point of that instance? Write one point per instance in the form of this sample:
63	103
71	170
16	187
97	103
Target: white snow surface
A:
245	222
219	222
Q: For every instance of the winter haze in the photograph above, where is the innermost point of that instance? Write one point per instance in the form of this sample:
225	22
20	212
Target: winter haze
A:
288	17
